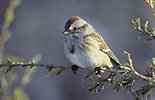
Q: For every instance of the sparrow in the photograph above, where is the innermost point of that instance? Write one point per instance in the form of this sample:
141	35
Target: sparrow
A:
85	47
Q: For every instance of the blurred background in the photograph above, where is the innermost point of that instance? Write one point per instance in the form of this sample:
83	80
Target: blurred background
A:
37	29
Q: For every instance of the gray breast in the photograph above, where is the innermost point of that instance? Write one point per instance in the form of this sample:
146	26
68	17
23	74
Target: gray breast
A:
73	44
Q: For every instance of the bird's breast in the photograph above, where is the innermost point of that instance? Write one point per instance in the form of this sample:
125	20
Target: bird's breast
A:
75	52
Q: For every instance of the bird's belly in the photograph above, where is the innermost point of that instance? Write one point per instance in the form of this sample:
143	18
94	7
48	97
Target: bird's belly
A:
84	56
85	60
75	53
81	60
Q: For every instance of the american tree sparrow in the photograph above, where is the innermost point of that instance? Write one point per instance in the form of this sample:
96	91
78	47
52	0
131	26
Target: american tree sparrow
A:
85	47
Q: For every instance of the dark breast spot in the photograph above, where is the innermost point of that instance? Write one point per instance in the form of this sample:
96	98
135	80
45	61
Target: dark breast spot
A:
72	50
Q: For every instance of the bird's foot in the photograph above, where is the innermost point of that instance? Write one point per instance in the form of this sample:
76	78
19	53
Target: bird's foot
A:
74	69
97	70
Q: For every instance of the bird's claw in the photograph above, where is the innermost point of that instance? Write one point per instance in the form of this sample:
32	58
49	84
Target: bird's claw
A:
97	70
74	69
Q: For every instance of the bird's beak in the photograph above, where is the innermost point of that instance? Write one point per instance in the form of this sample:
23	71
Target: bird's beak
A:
66	32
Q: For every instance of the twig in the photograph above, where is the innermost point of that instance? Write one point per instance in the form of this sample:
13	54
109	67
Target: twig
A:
151	5
64	68
47	66
135	72
33	65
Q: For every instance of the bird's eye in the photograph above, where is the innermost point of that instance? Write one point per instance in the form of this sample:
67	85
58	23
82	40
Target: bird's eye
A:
74	28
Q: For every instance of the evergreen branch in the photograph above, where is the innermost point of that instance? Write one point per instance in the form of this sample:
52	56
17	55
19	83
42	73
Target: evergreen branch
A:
128	67
127	73
134	72
144	30
151	4
10	65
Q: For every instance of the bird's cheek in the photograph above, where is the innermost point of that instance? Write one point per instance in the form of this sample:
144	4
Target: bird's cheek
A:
75	36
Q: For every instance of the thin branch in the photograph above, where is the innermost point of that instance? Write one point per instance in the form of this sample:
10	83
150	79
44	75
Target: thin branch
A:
64	68
151	4
135	72
33	65
47	66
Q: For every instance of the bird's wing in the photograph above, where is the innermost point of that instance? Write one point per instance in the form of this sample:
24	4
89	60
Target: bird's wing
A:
99	43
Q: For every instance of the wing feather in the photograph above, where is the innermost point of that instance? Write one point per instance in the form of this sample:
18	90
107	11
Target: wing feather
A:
96	40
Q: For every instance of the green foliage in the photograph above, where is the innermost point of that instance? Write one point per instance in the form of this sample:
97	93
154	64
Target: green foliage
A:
151	3
6	80
125	78
20	94
8	19
143	29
